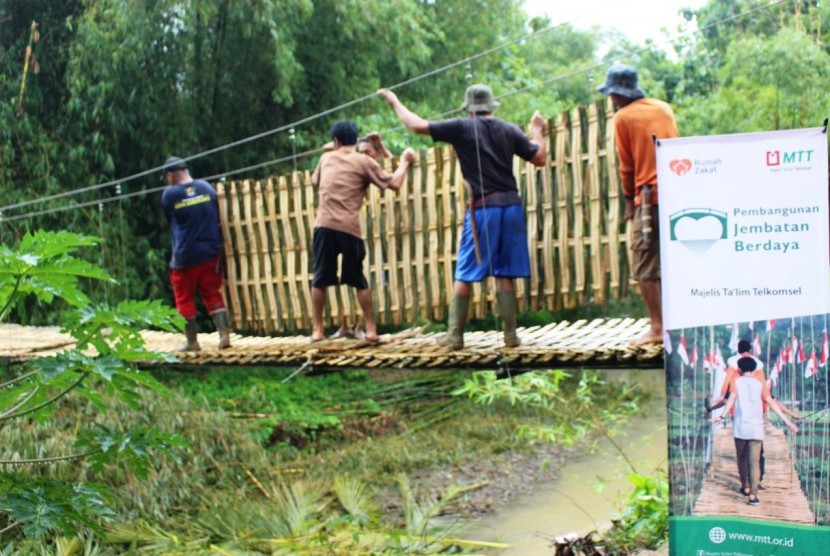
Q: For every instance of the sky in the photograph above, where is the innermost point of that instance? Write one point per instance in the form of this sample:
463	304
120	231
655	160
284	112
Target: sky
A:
637	19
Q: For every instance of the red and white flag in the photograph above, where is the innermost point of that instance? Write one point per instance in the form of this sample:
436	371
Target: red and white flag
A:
785	354
802	357
681	349
667	342
770	325
733	340
776	370
825	350
707	361
756	346
693	357
718	361
812	365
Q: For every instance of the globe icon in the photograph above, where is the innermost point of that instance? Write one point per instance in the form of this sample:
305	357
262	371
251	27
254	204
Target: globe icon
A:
717	535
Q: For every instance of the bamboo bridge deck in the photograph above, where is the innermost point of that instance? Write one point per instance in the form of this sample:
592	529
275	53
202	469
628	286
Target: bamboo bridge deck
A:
782	498
600	343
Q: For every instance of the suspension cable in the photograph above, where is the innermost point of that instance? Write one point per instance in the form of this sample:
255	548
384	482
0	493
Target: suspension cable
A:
285	127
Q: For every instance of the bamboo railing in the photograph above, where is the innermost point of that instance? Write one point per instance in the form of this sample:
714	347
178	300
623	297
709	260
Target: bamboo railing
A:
577	237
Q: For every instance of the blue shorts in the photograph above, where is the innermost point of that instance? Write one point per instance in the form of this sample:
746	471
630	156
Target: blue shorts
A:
502	235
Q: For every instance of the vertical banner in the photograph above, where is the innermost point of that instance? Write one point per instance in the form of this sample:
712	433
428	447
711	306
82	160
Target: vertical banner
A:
744	231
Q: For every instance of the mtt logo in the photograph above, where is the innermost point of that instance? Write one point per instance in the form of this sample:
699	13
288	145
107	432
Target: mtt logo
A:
777	158
680	166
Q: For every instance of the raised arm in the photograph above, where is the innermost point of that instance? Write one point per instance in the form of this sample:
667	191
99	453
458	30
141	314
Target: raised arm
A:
407	117
776	407
538	130
407	158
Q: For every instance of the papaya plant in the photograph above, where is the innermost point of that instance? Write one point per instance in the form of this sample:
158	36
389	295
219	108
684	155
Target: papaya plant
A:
45	268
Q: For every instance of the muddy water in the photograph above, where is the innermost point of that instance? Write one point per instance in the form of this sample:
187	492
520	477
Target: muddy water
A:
572	502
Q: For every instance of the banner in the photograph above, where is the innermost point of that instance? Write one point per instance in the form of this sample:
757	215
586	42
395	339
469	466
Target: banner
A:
745	253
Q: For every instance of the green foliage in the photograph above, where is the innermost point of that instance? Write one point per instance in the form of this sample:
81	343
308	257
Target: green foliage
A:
579	404
44	266
50	506
645	521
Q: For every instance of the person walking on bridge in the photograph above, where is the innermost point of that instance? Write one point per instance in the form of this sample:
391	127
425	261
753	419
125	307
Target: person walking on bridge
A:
749	396
637	122
342	178
196	264
485	146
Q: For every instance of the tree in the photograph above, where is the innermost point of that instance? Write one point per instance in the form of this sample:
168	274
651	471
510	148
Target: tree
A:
44	266
767	83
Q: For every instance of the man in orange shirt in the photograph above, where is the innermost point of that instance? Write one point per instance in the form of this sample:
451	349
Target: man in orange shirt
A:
637	122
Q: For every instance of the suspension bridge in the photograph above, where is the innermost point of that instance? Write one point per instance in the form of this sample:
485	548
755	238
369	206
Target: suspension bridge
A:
782	498
599	343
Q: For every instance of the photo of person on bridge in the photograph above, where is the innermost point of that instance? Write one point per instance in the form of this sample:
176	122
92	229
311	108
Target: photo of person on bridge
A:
749	397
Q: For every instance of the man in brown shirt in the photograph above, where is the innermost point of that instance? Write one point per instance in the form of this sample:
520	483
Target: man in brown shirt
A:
342	177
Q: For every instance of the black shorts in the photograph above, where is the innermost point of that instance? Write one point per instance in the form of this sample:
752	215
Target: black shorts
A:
328	244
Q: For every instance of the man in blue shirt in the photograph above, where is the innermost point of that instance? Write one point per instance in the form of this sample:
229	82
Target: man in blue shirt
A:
192	210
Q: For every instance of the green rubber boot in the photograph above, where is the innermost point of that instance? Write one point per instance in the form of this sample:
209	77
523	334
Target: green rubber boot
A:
191	333
454	338
507	304
220	319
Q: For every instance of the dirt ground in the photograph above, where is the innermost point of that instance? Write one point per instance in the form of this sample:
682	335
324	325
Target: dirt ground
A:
492	483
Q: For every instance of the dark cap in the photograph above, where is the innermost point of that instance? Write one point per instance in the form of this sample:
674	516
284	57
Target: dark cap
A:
173	164
479	98
621	80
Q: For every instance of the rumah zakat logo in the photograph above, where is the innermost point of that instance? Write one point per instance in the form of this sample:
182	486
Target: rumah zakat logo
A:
680	166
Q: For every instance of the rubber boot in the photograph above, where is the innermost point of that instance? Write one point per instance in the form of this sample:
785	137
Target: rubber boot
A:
507	304
191	332
220	319
454	338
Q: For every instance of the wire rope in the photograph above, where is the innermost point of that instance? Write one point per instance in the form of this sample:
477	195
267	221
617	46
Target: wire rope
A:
286	127
295	156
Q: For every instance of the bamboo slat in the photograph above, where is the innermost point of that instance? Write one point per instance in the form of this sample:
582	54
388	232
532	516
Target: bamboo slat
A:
599	344
577	238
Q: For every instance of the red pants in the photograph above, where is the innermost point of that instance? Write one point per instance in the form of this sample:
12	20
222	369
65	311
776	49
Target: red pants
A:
205	278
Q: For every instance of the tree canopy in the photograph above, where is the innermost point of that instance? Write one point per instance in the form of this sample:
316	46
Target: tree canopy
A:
93	91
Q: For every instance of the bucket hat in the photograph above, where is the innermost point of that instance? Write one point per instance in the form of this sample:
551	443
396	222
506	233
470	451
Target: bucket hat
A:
173	164
479	98
621	80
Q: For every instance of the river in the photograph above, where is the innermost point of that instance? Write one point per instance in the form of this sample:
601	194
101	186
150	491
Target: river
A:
571	503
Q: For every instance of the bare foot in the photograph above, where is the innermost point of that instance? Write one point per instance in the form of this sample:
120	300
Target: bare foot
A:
317	336
649	337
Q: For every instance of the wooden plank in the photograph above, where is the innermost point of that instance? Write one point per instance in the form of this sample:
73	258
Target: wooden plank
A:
277	256
616	240
269	320
288	192
225	198
244	258
578	207
435	304
256	250
563	210
596	222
